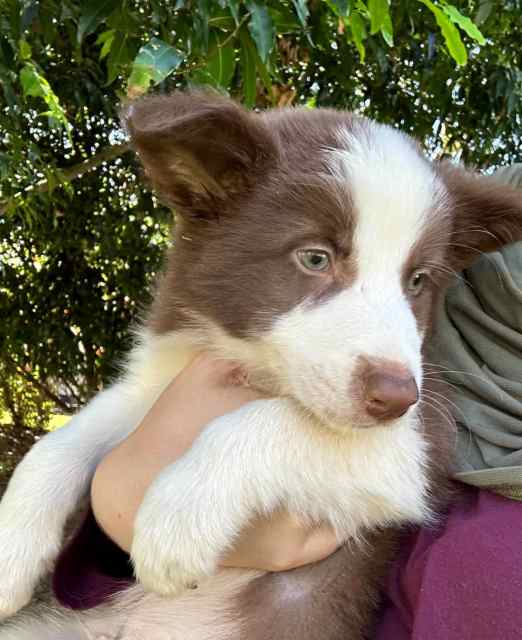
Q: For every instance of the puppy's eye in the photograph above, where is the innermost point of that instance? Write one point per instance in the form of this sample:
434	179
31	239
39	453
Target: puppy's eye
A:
417	282
316	260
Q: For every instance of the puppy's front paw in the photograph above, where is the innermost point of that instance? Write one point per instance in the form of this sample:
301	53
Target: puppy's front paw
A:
168	558
166	576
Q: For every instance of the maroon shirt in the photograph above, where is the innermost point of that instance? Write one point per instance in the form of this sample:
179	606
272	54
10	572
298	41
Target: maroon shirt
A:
91	568
462	581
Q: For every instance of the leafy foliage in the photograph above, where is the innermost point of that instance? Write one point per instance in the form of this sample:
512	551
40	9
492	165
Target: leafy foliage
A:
81	240
156	60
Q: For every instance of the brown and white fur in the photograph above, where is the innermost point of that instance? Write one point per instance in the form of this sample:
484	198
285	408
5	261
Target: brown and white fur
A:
255	193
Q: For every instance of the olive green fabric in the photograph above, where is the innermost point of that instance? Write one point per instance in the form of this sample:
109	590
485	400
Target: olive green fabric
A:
478	343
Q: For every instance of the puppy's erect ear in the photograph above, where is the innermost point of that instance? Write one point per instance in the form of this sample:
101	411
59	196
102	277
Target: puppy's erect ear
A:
486	214
200	150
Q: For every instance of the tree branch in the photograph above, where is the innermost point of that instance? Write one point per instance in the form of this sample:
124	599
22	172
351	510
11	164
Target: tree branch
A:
42	387
69	174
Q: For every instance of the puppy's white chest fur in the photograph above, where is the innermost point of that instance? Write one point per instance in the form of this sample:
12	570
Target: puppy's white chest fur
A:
354	480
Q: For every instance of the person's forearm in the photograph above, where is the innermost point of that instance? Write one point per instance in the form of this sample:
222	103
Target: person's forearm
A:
123	477
116	495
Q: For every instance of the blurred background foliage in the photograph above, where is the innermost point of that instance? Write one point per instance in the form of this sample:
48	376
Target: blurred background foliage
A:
81	238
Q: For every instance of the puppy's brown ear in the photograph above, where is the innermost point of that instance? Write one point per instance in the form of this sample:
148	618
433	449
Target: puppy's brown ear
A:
200	150
486	214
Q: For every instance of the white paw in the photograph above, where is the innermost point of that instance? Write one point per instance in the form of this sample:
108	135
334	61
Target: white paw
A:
167	557
166	578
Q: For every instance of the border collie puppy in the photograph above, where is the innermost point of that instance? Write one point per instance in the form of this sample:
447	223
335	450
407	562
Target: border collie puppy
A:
311	247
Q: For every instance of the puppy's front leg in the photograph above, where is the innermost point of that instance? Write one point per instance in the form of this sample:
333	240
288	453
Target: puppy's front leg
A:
196	508
48	484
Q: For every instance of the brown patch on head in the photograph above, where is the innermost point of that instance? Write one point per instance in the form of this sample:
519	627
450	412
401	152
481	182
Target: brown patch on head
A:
486	215
253	188
242	272
239	269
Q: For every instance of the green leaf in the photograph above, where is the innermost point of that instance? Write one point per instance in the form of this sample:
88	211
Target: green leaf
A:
139	81
201	23
106	39
119	57
262	28
512	102
233	6
387	30
339	7
450	32
303	14
25	50
302	11
155	61
358	29
34	84
94	12
247	58
464	23
221	63
31	81
484	11
362	9
380	19
104	36
378	10
284	20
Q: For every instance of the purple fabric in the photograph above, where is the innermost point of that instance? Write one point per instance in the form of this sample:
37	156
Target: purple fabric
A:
90	569
460	582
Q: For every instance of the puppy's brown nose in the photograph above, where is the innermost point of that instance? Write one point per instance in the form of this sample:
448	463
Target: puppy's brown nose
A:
389	392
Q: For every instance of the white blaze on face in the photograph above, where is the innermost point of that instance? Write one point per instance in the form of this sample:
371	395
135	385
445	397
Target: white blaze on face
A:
392	191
